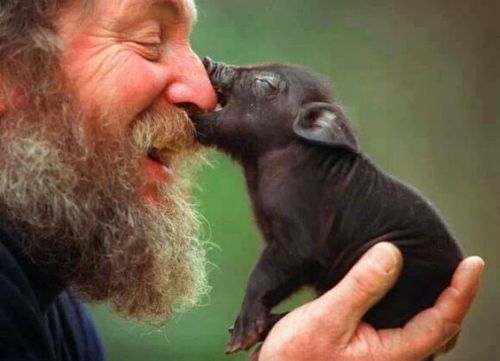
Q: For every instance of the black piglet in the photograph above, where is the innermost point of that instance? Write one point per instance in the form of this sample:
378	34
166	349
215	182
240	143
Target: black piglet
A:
318	201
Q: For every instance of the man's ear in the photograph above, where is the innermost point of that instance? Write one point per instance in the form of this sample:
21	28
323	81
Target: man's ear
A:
323	123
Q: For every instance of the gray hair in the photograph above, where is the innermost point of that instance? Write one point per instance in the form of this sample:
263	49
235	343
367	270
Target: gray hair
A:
29	46
27	38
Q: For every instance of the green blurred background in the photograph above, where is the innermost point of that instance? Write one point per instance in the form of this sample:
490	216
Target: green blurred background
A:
420	80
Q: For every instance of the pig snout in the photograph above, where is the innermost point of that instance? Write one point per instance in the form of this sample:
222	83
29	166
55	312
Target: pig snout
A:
221	75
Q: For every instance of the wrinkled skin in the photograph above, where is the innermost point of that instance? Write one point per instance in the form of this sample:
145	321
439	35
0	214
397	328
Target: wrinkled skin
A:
318	201
127	57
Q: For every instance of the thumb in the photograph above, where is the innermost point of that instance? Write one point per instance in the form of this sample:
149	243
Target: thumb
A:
365	284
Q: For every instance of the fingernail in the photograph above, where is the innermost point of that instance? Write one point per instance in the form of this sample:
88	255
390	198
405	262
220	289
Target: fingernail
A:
476	262
385	256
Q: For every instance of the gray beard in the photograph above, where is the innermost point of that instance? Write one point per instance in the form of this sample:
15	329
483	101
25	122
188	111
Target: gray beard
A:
76	207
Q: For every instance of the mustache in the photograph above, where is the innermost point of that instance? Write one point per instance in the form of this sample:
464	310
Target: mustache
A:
166	132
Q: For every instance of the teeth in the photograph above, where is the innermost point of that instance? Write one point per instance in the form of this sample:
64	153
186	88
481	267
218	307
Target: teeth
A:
218	107
221	98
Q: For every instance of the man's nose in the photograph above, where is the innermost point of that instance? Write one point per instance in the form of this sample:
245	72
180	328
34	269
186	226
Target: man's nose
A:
189	86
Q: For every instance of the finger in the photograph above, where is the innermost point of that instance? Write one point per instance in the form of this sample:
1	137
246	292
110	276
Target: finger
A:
431	329
456	300
365	284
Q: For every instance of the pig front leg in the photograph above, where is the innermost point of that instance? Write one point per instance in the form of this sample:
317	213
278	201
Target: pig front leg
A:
278	274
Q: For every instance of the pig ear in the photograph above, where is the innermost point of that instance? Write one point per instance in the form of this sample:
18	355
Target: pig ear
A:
322	123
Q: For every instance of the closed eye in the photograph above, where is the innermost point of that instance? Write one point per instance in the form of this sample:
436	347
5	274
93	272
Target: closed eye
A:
148	44
151	51
267	85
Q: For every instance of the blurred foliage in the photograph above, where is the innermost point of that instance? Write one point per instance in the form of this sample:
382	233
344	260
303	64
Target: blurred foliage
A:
421	83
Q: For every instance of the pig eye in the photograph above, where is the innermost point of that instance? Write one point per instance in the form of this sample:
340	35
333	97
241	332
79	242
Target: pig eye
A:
267	86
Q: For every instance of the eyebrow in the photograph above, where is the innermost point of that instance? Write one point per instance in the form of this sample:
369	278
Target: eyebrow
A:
184	9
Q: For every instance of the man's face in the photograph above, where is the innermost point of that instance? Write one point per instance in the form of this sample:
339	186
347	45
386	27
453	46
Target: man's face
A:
75	176
127	57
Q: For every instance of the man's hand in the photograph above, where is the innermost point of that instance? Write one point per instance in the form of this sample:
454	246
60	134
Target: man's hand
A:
330	327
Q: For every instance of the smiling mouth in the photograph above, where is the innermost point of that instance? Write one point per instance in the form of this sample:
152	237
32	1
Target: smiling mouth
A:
162	157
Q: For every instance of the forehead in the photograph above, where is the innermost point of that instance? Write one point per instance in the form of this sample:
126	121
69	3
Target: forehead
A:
180	7
185	9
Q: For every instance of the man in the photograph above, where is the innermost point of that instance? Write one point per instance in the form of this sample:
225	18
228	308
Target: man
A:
96	152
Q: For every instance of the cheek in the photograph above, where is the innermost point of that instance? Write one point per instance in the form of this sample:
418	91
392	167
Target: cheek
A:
113	81
136	84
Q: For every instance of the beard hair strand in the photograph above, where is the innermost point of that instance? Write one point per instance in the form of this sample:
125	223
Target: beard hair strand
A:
78	213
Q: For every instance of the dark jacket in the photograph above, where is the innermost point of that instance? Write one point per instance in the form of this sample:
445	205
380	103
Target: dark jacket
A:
39	319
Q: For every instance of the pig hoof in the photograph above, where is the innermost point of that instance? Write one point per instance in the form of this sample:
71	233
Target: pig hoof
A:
246	334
